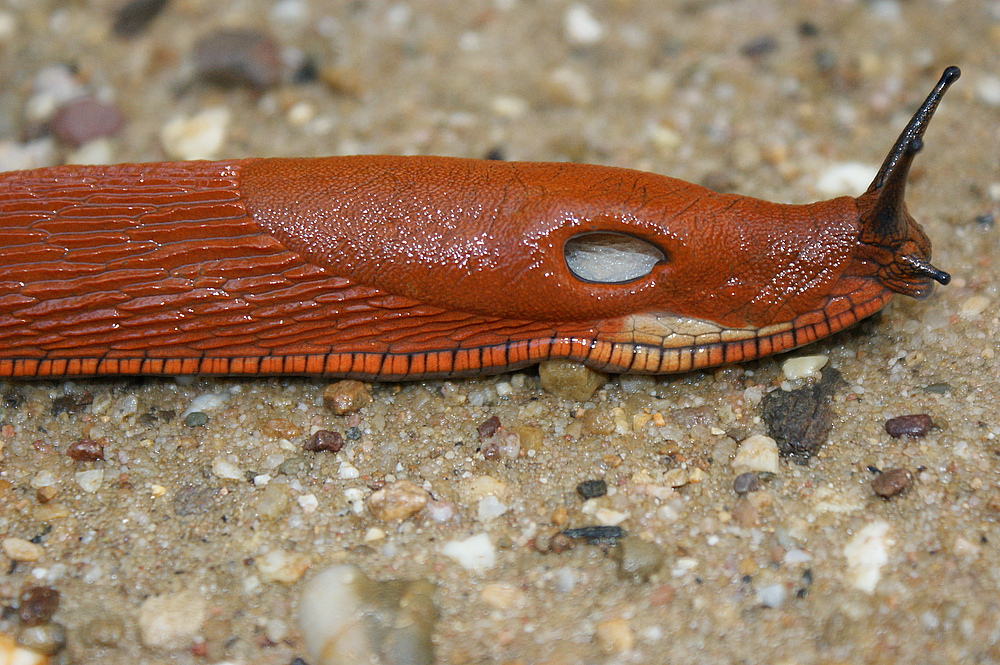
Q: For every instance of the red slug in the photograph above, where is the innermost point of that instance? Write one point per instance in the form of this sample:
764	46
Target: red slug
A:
390	268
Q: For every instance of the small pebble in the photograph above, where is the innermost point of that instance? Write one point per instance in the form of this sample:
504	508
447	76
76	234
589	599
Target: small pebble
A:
866	553
232	58
397	501
772	595
279	428
597	535
745	513
196	419
347	618
759	47
746	482
502	596
223	468
170	622
20	549
37	604
614	636
12	653
757	453
475	553
591	489
988	89
85	450
914	426
84	119
47	638
488	427
637	559
570	380
803	367
282	566
106	630
200	136
91	480
295	466
490	508
346	397
324	441
136	15
973	306
892	482
193	500
581	26
274	500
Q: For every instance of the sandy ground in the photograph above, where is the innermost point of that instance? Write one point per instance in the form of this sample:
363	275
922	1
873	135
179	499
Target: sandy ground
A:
762	98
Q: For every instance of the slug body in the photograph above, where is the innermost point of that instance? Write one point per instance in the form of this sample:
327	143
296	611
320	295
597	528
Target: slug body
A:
388	268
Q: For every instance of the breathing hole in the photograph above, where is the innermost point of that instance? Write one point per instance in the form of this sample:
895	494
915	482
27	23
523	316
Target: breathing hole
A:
610	258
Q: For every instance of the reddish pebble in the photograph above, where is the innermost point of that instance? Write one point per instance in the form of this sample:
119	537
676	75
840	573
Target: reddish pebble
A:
84	119
915	425
324	441
560	543
892	482
488	427
37	604
233	58
86	450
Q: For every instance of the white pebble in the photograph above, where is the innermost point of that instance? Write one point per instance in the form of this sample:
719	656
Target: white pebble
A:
282	566
475	553
205	403
346	618
509	107
771	595
170	622
348	471
200	136
225	469
988	89
845	179
43	479
866	554
973	306
490	508
90	480
757	453
308	503
803	367
581	26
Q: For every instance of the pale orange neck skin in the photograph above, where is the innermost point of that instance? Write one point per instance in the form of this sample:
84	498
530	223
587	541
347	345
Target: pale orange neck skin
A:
440	223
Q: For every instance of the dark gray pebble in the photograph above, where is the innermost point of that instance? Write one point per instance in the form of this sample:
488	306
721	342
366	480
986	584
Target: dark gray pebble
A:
196	419
746	482
591	489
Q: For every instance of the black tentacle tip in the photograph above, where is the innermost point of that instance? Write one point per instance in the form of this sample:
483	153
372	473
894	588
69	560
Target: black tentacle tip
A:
925	269
951	74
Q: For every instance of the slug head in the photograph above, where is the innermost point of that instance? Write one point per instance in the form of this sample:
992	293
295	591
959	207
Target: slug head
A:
891	239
